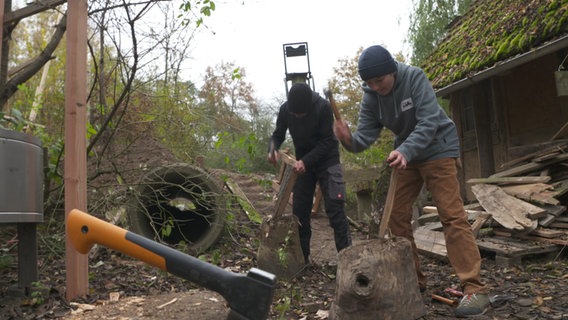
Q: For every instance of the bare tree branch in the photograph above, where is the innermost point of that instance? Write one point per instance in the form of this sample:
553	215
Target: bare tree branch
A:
33	67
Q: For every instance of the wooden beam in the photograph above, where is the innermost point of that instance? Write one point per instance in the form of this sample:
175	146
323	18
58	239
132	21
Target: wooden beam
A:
522	169
511	180
542	148
75	171
507	233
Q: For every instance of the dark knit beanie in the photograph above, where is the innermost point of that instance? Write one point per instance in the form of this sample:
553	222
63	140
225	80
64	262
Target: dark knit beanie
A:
375	61
299	98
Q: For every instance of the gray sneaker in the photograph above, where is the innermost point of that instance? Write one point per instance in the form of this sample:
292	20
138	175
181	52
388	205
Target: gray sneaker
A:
472	305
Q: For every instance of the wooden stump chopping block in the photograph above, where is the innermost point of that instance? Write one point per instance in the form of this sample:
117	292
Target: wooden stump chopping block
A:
279	251
376	279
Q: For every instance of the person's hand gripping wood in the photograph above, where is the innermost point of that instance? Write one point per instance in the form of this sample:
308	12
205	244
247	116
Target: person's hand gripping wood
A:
272	155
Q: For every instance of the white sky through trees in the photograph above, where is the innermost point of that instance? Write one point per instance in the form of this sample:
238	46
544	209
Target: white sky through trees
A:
251	33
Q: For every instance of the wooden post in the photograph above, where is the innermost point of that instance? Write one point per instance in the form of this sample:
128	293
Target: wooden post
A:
75	139
376	279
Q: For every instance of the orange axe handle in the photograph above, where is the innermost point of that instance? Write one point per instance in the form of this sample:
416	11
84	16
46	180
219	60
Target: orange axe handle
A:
85	231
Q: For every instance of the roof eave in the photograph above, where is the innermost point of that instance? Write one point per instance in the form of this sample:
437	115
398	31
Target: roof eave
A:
505	65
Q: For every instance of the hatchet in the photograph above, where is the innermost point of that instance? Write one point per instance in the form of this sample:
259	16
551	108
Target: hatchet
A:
249	296
329	96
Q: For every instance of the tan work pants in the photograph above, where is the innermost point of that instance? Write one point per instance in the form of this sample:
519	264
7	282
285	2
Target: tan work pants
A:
440	177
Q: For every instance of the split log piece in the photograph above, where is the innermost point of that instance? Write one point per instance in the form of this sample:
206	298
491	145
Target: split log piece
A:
383	225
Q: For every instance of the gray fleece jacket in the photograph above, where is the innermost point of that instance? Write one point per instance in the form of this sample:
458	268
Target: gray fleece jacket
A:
423	131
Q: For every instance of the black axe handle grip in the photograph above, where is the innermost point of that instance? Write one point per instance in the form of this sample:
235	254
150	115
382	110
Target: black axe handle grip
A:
248	296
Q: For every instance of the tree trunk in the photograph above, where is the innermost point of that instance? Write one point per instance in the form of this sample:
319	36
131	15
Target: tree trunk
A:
376	279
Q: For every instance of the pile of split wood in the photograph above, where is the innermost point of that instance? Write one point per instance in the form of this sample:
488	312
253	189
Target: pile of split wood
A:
525	201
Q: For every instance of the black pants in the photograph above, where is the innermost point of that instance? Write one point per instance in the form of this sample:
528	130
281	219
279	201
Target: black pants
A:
333	190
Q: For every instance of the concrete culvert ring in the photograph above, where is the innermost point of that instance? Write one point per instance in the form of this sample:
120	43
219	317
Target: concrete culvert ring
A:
176	204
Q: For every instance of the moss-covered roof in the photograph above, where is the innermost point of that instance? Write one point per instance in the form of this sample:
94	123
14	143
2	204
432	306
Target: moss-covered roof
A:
492	31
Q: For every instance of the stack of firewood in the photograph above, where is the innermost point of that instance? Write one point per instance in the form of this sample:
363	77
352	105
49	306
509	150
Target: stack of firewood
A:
528	197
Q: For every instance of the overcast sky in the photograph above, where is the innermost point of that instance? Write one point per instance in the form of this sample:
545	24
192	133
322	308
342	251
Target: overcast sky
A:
251	34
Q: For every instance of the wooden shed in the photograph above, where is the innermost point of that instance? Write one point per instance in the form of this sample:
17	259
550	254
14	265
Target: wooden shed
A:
501	68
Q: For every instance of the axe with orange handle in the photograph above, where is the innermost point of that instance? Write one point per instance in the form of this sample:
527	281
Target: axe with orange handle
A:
249	296
329	96
392	184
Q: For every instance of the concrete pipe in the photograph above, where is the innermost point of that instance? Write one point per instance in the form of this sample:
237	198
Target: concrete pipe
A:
179	204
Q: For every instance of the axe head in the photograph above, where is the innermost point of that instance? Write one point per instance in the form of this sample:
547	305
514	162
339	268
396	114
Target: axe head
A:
252	297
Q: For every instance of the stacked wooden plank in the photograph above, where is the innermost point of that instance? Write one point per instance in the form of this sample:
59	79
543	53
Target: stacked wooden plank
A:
538	182
522	207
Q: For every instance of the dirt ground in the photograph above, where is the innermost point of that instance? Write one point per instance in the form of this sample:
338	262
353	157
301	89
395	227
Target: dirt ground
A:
123	288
